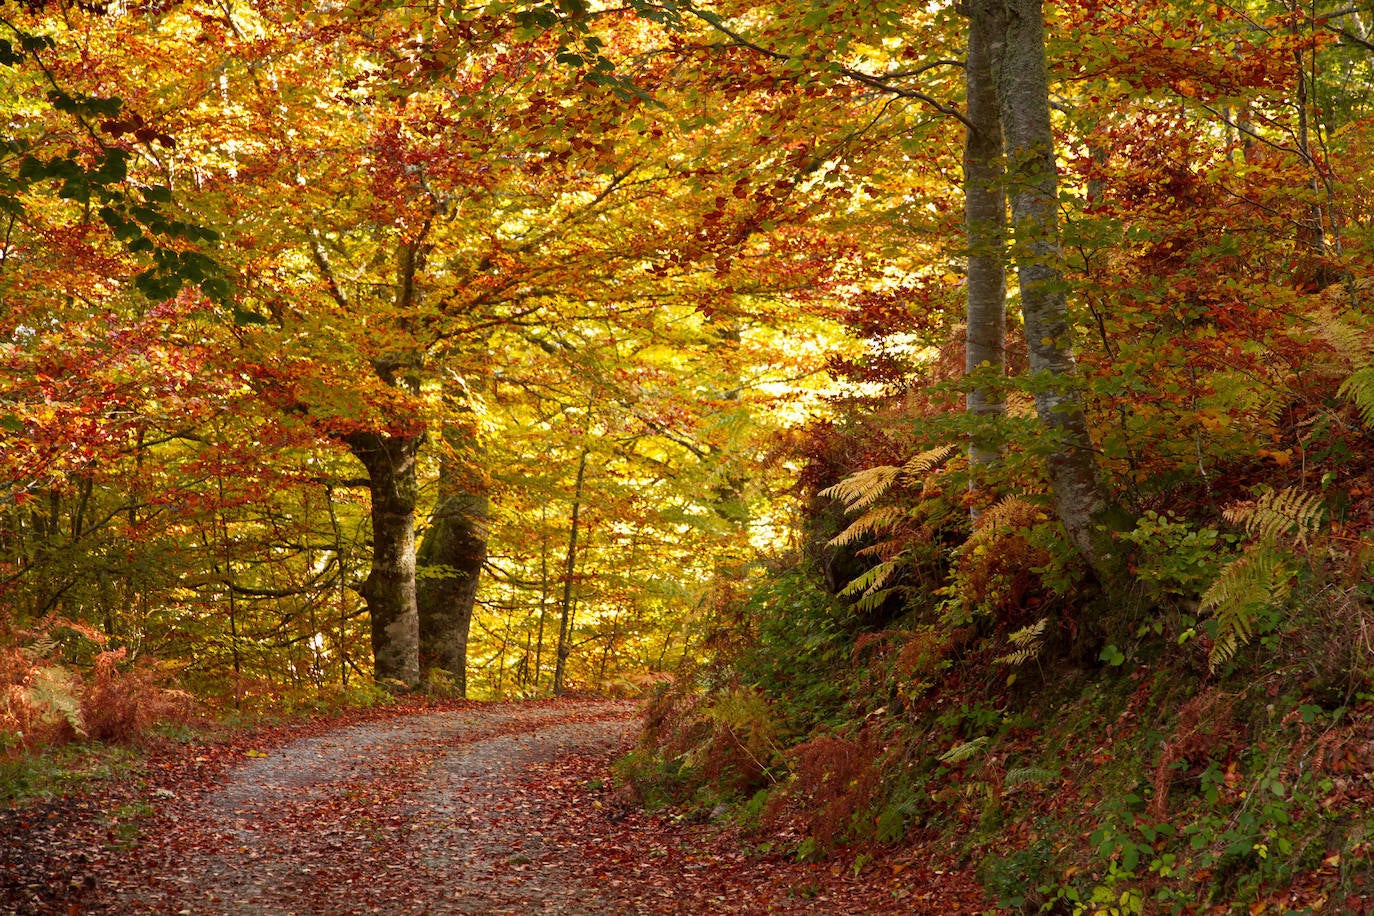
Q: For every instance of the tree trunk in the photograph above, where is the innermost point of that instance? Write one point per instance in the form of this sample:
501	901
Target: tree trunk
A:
450	561
1080	495
570	566
543	590
985	215
390	586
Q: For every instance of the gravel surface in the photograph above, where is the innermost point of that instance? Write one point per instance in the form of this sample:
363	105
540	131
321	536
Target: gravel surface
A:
501	809
429	813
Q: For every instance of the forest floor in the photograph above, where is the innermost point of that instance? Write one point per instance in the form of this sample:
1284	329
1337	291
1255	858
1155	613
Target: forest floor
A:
466	808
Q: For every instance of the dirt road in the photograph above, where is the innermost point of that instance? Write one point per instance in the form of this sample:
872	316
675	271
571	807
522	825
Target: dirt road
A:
482	809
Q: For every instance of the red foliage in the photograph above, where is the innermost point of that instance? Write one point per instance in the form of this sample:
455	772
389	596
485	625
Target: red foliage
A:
122	706
836	779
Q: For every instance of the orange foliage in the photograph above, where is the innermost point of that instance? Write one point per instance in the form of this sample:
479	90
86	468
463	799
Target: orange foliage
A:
122	706
997	566
44	702
836	779
1206	724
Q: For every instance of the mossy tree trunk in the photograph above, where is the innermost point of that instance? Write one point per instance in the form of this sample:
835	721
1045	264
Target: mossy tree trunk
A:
450	560
1082	501
985	219
390	586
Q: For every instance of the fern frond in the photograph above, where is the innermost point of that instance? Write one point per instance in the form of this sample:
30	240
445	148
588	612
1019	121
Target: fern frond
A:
871	601
1350	343
929	460
872	579
863	488
57	692
1026	643
1035	775
43	646
1257	581
1010	512
961	752
1277	513
1359	389
869	523
1350	293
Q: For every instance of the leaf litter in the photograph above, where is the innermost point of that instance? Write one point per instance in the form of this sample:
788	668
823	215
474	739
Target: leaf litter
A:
463	808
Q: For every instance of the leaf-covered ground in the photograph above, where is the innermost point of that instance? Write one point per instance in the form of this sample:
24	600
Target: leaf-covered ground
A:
467	808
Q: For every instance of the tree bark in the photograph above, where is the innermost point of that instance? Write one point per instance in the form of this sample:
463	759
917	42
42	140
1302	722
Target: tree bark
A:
390	587
985	218
450	561
1080	496
570	566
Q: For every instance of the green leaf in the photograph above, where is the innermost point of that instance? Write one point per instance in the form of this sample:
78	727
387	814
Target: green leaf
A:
31	44
114	169
75	189
32	169
216	289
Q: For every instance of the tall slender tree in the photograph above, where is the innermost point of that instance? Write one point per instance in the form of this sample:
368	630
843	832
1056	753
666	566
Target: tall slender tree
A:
985	215
1081	498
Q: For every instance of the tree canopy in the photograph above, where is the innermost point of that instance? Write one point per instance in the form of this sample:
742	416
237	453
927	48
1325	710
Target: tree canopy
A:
844	361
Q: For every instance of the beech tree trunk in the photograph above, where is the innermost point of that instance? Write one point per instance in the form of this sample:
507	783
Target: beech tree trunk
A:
1080	496
390	587
565	631
450	562
985	218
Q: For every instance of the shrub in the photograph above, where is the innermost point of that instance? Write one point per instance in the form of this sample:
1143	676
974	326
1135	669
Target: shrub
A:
39	702
836	780
998	571
122	706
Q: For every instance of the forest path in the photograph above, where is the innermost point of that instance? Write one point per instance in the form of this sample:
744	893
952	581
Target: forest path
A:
481	809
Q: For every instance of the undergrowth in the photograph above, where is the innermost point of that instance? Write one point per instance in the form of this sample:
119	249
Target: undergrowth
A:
73	711
1217	753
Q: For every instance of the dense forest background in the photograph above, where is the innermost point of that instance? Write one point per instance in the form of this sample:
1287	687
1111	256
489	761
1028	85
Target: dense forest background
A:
929	397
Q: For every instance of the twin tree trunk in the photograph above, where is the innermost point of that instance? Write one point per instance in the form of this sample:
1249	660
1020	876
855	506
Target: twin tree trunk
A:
1011	34
1008	110
985	218
419	623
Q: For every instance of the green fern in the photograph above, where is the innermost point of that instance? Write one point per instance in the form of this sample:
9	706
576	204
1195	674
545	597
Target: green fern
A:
1259	581
961	752
871	580
873	600
1359	389
57	693
1038	776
